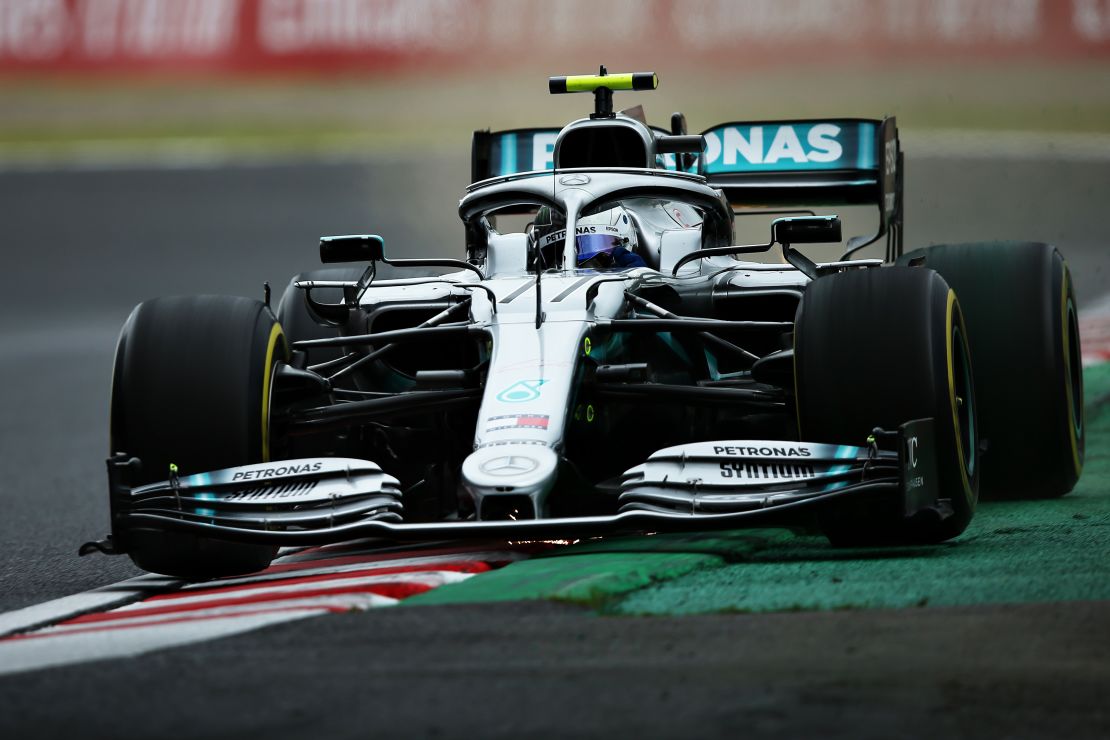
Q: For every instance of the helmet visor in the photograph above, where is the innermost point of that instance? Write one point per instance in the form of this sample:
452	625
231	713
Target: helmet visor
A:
589	246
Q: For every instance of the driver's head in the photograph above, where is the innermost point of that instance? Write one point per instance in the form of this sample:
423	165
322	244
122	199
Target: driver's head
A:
601	239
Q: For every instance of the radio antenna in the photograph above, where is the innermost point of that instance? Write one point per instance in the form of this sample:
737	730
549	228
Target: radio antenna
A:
602	86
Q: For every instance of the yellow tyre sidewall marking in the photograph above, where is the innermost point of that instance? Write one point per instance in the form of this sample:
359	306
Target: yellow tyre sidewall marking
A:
949	313
797	404
276	334
1068	390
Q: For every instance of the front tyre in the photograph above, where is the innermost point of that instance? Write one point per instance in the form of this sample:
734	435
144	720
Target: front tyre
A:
191	386
878	348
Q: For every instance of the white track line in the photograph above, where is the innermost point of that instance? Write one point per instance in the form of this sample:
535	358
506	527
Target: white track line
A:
182	618
153	612
96	600
429	578
21	655
333	602
141	587
313	569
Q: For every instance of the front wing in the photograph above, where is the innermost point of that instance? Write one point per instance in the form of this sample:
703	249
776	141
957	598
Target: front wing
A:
699	486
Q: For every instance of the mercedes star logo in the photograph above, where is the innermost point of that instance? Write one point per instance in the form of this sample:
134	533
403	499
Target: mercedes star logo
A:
511	465
574	180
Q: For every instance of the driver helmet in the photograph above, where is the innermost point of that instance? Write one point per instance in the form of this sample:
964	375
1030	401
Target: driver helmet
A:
602	240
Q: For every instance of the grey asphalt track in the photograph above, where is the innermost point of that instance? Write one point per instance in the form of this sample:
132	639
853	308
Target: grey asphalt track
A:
80	248
535	670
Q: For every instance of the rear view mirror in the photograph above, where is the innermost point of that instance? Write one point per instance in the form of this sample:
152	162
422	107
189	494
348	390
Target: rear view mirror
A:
352	248
806	230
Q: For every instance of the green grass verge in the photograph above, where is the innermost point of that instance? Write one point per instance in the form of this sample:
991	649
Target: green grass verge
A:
1022	551
1013	552
591	580
597	571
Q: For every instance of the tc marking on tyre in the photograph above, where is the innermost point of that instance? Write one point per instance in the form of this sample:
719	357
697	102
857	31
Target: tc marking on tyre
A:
306	583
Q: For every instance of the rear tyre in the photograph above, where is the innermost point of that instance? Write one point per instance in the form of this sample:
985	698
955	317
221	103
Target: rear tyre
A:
1024	334
878	348
191	386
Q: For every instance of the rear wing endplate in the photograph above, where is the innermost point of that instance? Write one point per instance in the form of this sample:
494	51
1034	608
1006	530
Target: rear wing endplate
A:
842	161
501	153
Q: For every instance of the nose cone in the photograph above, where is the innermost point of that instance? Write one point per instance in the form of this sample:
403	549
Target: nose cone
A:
499	476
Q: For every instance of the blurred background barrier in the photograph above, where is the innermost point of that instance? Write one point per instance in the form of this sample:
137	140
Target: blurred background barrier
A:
250	36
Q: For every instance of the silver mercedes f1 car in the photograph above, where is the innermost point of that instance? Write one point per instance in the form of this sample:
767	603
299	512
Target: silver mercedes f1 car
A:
607	360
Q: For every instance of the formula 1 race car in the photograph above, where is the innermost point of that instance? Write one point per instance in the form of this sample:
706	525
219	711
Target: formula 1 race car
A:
607	360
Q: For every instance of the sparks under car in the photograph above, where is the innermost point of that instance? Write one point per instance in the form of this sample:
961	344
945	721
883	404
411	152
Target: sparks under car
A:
603	358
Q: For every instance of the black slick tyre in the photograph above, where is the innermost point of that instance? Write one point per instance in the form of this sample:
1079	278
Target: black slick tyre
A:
878	348
191	386
1022	324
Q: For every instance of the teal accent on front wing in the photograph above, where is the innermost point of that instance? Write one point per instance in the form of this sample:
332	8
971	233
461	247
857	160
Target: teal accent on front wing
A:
202	479
843	452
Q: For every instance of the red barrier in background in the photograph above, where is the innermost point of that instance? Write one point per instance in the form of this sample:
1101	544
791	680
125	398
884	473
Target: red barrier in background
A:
76	36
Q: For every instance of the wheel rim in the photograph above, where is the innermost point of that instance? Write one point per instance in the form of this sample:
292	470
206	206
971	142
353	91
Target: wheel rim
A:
1073	377
276	336
965	401
1075	371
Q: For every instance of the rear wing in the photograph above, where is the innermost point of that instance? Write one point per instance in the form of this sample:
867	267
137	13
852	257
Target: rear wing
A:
792	163
500	153
799	163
